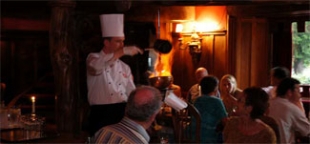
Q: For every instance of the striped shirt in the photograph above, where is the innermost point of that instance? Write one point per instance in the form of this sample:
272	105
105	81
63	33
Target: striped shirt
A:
126	131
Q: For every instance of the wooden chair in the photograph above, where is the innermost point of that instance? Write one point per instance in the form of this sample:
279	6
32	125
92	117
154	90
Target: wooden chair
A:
272	124
182	125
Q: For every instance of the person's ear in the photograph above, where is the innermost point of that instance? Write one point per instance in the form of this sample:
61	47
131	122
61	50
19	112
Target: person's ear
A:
106	42
289	93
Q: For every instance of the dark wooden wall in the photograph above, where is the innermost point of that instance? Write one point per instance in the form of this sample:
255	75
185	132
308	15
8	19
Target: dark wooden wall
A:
252	52
24	59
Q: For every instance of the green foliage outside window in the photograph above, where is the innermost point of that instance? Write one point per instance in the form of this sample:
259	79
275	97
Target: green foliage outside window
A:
301	53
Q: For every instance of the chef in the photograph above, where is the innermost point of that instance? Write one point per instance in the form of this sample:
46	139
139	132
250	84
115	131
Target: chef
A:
109	80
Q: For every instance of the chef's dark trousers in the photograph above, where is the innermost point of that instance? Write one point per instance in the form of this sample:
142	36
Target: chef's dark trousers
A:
102	115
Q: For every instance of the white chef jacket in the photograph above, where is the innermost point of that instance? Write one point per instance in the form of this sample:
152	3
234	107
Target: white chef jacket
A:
289	118
108	82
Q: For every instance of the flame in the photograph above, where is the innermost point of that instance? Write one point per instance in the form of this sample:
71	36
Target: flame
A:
163	65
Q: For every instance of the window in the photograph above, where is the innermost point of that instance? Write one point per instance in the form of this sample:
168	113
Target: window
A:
301	53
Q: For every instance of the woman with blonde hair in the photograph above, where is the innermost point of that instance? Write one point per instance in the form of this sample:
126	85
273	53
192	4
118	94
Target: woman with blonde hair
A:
230	93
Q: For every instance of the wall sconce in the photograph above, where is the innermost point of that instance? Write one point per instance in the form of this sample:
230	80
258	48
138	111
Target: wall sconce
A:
194	44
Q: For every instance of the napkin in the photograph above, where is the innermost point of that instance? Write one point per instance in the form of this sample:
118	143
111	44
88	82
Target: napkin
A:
175	102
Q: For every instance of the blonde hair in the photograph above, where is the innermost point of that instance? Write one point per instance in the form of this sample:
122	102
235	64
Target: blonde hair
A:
232	80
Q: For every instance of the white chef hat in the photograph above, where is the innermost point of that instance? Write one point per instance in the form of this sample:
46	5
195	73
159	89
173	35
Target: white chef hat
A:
112	25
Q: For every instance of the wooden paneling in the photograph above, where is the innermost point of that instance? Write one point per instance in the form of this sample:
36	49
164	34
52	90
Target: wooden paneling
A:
181	66
24	59
252	53
208	59
214	57
259	54
231	47
220	56
243	55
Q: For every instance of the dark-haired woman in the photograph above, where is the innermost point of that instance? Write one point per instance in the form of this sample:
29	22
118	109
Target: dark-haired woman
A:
248	128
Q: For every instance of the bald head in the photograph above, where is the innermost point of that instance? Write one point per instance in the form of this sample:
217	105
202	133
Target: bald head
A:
143	102
143	96
200	73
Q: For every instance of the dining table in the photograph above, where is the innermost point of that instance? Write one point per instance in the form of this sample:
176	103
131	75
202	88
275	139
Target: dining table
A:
21	135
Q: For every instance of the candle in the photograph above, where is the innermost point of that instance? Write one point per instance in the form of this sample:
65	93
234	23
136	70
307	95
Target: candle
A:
33	100
199	90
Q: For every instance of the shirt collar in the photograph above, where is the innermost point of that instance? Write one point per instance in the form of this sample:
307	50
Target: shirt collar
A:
137	127
281	99
102	52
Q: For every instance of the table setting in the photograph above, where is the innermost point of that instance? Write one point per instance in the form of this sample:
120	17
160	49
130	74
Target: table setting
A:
17	127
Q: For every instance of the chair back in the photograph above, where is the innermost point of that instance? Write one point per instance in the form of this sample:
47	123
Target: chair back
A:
182	121
272	124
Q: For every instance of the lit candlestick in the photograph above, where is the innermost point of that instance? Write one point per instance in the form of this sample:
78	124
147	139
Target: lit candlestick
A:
33	99
199	90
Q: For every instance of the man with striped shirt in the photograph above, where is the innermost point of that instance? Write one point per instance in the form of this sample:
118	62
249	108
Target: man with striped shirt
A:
141	109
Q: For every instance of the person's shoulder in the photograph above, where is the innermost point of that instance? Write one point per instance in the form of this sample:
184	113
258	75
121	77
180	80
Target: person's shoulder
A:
101	133
281	101
268	88
268	130
238	94
238	91
214	98
286	106
174	86
202	99
233	120
267	119
277	100
211	99
267	133
193	87
106	128
122	64
93	54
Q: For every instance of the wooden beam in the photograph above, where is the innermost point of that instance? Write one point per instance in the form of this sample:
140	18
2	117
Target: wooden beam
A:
24	24
63	58
269	11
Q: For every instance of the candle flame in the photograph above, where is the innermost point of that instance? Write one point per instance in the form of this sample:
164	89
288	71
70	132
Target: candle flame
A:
33	98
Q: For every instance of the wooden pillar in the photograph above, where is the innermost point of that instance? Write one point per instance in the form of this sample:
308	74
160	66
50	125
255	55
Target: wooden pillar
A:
64	62
282	46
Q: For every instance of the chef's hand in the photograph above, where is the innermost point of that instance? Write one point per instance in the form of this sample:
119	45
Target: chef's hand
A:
132	50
